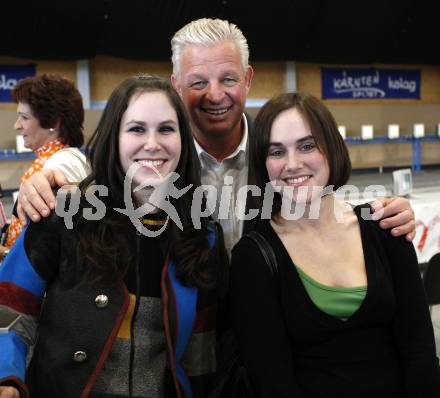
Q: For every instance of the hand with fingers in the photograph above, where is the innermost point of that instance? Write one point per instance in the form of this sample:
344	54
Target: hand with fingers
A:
395	214
36	198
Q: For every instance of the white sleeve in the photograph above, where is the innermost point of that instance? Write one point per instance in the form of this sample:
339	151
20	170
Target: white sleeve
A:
71	162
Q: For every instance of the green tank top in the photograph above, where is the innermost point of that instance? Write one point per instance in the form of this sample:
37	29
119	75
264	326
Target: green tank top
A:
340	302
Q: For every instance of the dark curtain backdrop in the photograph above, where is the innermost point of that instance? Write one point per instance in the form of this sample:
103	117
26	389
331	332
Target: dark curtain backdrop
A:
323	31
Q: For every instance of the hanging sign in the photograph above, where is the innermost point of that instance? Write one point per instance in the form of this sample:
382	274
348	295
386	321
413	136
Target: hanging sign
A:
10	75
368	83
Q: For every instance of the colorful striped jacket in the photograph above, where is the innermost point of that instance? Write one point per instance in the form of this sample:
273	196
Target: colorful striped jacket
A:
73	333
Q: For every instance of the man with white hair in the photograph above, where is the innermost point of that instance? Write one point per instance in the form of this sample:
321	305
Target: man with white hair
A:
211	72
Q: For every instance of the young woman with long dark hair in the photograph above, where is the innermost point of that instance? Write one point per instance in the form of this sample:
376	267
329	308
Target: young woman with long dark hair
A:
125	313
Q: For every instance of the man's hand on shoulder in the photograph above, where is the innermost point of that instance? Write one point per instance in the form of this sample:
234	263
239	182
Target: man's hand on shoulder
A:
395	214
36	198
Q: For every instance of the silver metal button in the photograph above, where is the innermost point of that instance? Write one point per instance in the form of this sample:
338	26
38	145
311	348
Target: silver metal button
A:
101	301
79	356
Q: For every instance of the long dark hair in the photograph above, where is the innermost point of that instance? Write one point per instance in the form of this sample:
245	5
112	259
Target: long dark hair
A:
108	244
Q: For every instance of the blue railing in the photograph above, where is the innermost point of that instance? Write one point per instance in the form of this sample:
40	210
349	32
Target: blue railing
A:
12	154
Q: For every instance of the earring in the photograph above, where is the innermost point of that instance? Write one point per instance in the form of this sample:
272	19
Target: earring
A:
51	129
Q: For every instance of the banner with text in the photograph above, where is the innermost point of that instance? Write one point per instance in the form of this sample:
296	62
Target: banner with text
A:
10	75
358	83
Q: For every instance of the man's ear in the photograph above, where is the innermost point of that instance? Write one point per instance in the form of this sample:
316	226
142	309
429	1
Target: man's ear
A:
248	78
175	83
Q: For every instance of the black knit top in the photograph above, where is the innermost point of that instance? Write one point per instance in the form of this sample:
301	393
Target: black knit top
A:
292	349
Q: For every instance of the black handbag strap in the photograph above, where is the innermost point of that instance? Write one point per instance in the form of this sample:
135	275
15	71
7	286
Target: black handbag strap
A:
265	249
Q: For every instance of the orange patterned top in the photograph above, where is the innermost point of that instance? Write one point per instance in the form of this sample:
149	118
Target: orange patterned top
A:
43	154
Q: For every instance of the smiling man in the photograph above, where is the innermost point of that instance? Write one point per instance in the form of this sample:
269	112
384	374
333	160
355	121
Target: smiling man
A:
214	84
212	75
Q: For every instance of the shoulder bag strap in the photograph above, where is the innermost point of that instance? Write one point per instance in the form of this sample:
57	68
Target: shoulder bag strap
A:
265	249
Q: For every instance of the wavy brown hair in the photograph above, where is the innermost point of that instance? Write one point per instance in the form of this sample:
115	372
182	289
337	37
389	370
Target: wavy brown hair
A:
52	99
